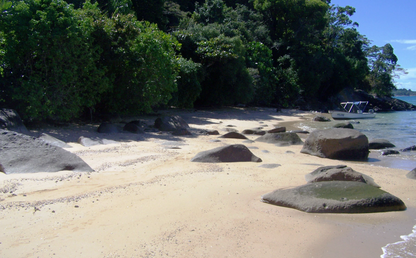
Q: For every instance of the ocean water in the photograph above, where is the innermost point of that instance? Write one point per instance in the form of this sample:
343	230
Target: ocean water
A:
400	129
397	127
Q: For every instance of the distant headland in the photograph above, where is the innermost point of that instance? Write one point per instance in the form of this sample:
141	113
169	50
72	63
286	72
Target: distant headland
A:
404	92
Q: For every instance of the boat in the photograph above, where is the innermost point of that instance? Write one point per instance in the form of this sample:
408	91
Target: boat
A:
353	110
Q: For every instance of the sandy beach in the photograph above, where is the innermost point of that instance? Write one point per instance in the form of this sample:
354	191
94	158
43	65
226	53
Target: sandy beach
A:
147	199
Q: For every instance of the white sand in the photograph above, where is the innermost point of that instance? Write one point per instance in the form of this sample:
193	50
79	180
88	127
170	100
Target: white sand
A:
148	200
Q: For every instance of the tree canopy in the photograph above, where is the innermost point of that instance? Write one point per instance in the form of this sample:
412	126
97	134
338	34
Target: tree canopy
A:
60	60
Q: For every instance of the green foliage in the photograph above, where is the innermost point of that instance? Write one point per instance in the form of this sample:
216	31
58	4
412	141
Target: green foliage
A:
4	5
259	60
150	10
382	63
212	11
189	86
227	81
49	63
141	62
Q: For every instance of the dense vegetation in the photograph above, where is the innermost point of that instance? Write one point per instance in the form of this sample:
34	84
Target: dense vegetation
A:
404	92
60	60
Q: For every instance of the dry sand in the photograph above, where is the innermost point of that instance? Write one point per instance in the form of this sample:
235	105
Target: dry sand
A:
146	199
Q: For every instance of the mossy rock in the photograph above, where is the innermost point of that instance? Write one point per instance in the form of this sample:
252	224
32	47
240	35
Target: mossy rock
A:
335	197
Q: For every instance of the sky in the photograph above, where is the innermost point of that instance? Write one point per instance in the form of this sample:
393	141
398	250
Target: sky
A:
389	21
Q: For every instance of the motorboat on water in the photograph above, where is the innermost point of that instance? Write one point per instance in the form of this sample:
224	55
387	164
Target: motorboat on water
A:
353	110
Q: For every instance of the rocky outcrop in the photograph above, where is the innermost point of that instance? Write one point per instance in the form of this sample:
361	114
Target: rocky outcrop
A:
376	103
337	143
377	144
281	139
170	123
230	153
24	154
10	120
338	173
335	197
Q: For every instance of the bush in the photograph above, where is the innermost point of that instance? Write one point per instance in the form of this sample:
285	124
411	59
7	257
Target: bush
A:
49	63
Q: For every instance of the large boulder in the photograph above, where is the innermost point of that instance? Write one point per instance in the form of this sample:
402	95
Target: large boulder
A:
10	120
337	143
170	123
229	153
335	197
281	139
338	173
24	154
377	144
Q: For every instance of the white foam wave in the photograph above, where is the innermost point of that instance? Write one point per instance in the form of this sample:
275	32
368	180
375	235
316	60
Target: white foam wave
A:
401	249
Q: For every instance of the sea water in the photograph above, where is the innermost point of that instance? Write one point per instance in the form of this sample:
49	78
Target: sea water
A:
407	120
397	127
400	129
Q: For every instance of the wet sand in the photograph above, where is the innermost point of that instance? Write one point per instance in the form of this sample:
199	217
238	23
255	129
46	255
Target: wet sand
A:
146	199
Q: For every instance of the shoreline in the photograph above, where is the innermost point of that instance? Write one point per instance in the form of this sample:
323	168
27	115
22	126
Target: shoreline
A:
148	200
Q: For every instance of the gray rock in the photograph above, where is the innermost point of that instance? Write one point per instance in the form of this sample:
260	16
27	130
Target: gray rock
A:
299	131
390	152
411	148
233	135
109	128
344	125
231	130
280	139
321	119
229	153
335	197
10	120
411	174
210	132
170	123
134	127
338	173
278	129
53	141
24	154
254	131
376	144
337	143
